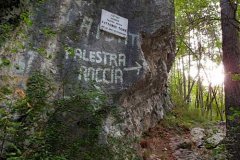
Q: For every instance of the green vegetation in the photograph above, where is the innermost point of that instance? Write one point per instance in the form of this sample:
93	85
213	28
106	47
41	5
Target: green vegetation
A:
23	121
198	38
6	90
182	117
25	17
5	32
42	51
34	127
70	51
4	62
218	151
18	15
235	77
48	32
80	120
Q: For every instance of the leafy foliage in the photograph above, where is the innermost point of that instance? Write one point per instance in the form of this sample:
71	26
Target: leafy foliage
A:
33	127
198	38
25	16
80	120
23	122
5	30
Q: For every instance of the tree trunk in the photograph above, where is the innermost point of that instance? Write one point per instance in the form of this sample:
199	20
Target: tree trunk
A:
231	61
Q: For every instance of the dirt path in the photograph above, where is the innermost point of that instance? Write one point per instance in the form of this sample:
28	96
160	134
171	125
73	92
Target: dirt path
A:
176	143
155	144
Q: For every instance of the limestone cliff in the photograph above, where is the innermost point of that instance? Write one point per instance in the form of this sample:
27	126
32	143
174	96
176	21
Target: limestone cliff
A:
63	39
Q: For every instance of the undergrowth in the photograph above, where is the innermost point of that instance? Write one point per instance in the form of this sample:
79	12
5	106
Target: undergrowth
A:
37	127
182	118
186	115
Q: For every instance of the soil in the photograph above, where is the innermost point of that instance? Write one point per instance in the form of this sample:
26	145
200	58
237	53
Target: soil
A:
173	143
155	143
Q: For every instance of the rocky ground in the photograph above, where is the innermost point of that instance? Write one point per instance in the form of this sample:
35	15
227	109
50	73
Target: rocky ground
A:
182	143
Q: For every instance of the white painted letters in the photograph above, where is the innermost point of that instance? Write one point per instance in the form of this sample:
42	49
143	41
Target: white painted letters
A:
111	72
86	26
99	57
99	75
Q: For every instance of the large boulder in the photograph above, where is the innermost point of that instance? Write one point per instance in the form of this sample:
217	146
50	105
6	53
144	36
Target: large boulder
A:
63	39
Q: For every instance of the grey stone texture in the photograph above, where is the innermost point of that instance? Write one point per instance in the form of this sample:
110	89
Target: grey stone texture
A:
66	43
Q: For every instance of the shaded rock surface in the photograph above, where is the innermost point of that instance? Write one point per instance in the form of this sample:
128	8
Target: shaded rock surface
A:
183	148
198	135
64	42
215	136
215	139
185	154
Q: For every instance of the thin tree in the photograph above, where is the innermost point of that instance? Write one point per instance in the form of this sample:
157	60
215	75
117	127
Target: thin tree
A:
231	62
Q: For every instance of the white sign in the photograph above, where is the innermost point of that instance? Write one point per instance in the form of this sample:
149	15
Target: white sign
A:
114	24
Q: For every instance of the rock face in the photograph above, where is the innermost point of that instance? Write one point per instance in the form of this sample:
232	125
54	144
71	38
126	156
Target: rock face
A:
198	135
65	41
